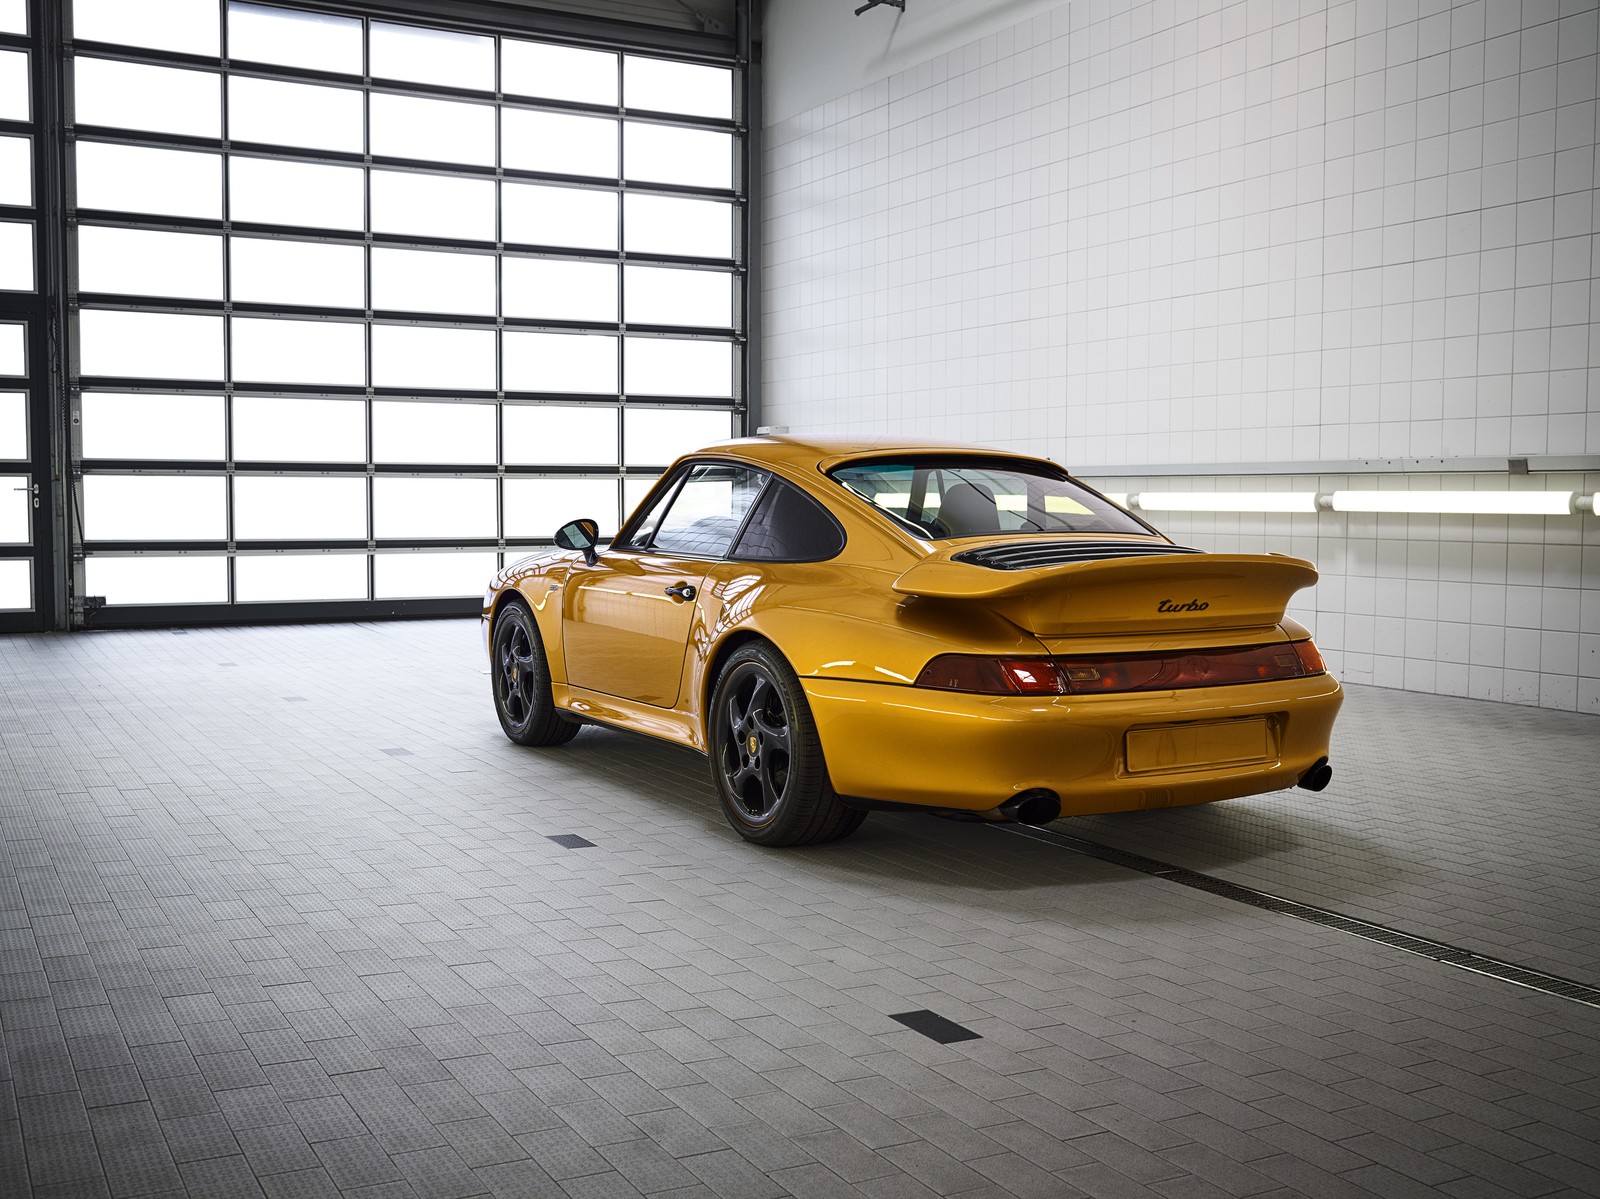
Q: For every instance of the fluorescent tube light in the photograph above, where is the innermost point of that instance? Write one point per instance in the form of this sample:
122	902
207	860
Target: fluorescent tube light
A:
1468	503
1119	498
1227	501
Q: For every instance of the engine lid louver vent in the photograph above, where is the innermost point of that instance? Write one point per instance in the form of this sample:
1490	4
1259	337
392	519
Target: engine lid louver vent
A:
1027	555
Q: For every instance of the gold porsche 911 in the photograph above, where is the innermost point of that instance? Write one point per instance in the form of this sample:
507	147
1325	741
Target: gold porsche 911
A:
843	626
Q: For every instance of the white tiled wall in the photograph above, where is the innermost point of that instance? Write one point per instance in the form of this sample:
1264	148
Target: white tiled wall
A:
1124	234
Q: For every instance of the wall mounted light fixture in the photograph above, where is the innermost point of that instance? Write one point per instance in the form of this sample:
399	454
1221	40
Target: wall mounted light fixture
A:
1228	501
1440	503
1465	503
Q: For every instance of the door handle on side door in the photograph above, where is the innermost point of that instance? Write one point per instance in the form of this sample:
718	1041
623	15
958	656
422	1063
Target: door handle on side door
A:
682	591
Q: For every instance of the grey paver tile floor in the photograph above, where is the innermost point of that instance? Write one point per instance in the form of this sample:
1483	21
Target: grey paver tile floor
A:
280	914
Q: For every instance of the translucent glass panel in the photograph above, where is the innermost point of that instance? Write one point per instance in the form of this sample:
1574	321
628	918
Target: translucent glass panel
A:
677	225
16	509
558	72
558	362
433	508
16	256
680	87
13	426
559	216
420	432
634	489
152	345
279	578
138	425
291	429
299	508
432	576
131	95
432	281
559	434
187	26
432	205
13	86
435	130
179	183
658	436
149	262
295	114
666	296
16	170
432	56
552	289
276	271
538	507
159	580
412	356
310	195
667	154
331	353
559	143
670	367
13	16
257	33
155	508
16	584
13	350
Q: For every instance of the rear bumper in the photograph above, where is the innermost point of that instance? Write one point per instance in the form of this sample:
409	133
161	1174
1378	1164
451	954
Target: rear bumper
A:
953	750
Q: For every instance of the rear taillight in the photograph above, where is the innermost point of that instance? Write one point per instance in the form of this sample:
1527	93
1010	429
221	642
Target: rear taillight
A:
1100	674
1310	657
992	676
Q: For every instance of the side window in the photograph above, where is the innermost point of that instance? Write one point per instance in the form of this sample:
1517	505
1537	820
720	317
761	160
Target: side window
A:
643	525
789	526
707	511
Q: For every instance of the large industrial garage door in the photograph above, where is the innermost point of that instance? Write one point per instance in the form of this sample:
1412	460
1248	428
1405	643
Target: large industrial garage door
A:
26	511
363	306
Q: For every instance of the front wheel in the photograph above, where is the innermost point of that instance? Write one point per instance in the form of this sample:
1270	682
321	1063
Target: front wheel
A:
522	697
766	758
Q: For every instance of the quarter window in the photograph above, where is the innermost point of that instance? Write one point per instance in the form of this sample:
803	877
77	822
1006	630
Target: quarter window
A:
789	526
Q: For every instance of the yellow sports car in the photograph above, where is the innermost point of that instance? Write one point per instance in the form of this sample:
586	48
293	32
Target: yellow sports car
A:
848	625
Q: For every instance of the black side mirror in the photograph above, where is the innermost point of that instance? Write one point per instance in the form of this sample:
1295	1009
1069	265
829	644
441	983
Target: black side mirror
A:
580	535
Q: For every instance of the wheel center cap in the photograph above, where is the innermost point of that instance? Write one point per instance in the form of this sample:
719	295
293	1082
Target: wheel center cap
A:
753	745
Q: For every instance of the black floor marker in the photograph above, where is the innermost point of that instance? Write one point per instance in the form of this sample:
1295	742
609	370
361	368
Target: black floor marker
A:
936	1027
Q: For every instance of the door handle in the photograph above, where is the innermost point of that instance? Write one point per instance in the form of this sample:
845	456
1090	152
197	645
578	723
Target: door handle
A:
683	591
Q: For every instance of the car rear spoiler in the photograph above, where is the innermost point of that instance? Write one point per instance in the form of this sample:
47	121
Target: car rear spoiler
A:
1141	593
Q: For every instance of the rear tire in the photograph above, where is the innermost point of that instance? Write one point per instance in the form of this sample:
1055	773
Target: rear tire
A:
521	677
766	758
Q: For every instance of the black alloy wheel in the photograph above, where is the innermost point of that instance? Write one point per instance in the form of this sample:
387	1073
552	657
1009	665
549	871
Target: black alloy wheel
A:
766	759
522	698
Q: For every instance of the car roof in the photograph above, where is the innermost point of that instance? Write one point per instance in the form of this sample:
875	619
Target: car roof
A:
822	453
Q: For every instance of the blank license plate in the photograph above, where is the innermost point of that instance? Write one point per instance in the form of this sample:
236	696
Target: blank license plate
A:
1215	743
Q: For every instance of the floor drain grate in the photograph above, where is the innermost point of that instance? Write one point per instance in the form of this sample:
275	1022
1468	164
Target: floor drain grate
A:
1449	955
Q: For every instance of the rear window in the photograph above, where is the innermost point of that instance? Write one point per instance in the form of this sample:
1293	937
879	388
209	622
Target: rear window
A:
952	496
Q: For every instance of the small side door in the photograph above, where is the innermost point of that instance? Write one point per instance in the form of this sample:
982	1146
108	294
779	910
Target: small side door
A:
629	617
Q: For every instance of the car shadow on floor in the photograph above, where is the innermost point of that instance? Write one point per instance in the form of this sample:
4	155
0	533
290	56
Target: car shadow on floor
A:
1240	839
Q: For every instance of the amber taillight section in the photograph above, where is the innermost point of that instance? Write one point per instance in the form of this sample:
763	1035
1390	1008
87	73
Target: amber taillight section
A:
1100	674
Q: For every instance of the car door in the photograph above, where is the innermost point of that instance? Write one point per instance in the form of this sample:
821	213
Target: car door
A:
629	617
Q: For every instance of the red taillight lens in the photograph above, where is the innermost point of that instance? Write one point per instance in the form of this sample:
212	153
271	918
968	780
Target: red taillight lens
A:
992	676
1111	673
1310	657
1190	668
